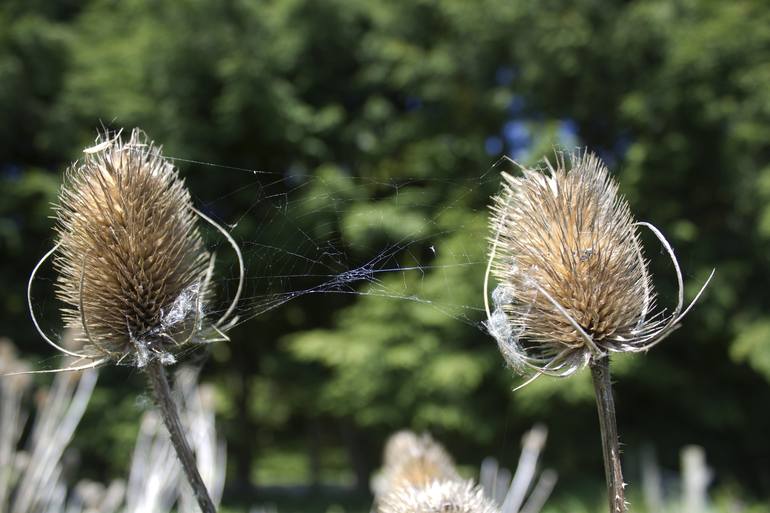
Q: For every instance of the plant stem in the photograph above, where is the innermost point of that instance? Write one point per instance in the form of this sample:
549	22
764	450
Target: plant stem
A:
160	389
605	404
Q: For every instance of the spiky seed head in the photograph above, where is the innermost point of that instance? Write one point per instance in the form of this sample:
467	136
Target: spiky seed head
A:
397	445
415	460
131	262
400	443
438	497
572	277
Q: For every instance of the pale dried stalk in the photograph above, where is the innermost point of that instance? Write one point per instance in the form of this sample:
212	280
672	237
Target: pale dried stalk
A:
165	402
696	477
155	482
541	492
533	443
60	415
509	492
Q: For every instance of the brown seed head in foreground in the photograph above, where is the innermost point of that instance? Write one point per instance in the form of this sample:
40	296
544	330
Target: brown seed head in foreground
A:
133	271
573	281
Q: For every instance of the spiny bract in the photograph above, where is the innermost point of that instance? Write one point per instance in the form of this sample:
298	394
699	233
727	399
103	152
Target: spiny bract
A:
573	281
131	262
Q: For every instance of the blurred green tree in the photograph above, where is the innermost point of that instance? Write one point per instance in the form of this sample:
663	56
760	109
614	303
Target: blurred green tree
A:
376	125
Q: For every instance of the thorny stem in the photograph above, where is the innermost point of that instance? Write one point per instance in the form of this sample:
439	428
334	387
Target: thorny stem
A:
162	392
605	404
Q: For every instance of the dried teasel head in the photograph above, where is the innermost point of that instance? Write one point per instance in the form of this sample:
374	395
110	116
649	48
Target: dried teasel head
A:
132	269
438	496
573	282
419	476
398	446
414	460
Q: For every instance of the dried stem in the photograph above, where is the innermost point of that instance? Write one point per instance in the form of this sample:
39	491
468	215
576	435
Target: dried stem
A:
162	392
605	404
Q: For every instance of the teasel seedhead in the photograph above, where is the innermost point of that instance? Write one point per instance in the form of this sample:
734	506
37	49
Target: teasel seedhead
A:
133	271
438	496
398	445
573	281
414	460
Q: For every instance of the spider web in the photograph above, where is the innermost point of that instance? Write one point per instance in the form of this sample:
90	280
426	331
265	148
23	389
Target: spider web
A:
319	258
323	261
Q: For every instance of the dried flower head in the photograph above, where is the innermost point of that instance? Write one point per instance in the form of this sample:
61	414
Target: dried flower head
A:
573	280
133	271
400	443
438	496
414	460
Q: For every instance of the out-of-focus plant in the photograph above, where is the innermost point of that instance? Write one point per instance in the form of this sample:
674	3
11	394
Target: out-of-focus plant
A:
33	479
357	107
155	481
419	476
510	491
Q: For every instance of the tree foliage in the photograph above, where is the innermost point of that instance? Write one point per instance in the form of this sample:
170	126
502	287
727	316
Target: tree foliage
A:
383	121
